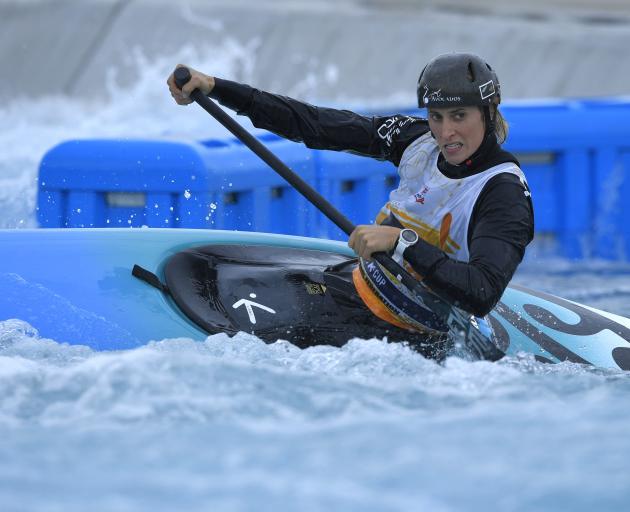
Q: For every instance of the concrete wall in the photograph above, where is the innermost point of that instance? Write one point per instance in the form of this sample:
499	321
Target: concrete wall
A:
356	49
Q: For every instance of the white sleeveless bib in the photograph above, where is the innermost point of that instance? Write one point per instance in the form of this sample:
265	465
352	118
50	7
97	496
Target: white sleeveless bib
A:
438	208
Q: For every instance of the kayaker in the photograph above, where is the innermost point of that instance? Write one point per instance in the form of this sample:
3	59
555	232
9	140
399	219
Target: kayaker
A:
462	214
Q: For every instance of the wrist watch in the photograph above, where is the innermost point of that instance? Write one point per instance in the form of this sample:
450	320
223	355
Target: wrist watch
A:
407	238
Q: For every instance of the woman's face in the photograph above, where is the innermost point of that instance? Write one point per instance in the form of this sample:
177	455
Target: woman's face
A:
458	131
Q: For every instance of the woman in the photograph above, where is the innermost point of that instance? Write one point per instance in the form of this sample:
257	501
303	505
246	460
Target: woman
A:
461	216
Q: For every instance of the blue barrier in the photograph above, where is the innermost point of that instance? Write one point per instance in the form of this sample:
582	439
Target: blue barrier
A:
114	183
207	184
576	155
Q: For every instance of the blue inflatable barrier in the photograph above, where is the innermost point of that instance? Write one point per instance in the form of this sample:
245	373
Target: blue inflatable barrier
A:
575	157
160	183
114	183
575	153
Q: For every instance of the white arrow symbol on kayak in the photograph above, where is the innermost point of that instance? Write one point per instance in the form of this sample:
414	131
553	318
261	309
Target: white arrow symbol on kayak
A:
249	307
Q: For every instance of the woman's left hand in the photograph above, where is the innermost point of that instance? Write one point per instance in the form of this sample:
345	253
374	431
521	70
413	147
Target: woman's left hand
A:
366	240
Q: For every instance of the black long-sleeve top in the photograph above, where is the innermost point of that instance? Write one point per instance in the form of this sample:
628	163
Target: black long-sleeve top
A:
502	222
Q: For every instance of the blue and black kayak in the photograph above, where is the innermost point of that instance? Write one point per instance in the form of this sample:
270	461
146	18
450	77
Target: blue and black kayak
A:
114	289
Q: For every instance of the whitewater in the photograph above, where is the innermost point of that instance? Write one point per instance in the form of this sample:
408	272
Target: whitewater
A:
233	424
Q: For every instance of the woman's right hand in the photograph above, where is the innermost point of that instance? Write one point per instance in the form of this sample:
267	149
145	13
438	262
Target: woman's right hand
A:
197	80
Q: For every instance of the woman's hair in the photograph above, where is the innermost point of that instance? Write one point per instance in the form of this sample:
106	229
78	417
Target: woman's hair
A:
501	126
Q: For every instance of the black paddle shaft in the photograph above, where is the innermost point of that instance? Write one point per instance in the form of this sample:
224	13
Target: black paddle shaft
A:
182	76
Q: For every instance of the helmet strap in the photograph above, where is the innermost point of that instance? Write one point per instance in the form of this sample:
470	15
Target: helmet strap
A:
490	126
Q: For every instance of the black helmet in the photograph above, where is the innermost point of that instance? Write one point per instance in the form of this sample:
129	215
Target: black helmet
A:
458	79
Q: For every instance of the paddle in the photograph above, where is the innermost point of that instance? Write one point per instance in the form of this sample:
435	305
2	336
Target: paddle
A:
182	76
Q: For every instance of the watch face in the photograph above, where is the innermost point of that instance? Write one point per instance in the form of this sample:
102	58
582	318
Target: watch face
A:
409	236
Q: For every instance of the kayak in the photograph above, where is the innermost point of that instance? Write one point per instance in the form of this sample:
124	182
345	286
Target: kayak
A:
115	289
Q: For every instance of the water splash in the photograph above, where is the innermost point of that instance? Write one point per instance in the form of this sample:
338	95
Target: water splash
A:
243	380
